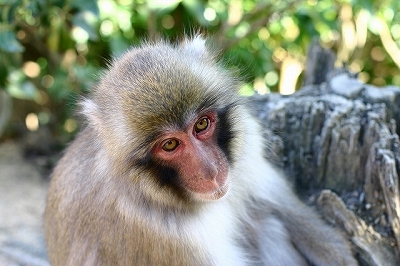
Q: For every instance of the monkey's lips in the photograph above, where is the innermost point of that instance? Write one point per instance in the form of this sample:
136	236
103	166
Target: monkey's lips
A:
219	192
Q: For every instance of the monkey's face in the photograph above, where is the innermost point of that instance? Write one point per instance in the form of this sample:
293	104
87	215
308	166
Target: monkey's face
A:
201	165
170	117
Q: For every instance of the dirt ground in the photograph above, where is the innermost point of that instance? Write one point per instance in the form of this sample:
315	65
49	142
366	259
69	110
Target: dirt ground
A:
22	201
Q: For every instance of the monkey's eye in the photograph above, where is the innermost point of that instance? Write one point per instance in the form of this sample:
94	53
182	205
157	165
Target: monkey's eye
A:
170	145
202	124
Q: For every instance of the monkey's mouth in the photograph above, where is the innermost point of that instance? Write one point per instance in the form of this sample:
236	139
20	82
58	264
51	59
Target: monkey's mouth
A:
219	193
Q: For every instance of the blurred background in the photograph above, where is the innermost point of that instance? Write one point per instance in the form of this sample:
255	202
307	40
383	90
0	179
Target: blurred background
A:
53	51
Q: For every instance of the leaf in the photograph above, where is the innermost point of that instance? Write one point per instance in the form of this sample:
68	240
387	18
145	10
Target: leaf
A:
9	42
86	5
196	9
118	45
87	22
162	4
21	88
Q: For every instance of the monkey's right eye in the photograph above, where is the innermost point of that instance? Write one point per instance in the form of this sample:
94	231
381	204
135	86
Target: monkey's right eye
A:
170	145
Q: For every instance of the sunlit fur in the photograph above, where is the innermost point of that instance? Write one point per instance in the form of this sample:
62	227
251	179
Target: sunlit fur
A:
112	203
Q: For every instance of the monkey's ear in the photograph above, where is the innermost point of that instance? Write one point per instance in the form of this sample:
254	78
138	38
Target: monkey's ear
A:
92	112
197	47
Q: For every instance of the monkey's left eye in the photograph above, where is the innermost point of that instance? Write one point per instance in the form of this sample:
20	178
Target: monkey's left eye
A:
202	124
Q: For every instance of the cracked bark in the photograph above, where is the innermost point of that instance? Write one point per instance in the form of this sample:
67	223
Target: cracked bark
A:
339	136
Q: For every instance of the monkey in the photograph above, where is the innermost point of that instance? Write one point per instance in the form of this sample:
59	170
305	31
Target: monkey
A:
168	169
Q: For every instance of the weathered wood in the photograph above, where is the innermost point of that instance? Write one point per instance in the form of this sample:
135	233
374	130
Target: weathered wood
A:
370	247
320	62
340	134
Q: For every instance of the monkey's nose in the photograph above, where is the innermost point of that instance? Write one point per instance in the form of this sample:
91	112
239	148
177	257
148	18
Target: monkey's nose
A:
210	172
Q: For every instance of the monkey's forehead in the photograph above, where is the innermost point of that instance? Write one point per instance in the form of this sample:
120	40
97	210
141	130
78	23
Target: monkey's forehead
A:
166	84
168	66
160	115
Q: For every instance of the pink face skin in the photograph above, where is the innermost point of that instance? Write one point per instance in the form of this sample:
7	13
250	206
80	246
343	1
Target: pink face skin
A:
194	153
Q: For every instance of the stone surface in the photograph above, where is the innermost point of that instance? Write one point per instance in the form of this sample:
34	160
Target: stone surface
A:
22	201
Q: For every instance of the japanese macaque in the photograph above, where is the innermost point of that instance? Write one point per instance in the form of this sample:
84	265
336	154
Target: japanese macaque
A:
169	170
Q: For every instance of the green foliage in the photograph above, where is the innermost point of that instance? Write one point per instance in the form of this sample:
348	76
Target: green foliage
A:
52	51
9	42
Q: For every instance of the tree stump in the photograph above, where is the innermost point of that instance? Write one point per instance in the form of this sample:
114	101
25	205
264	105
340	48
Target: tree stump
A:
337	138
